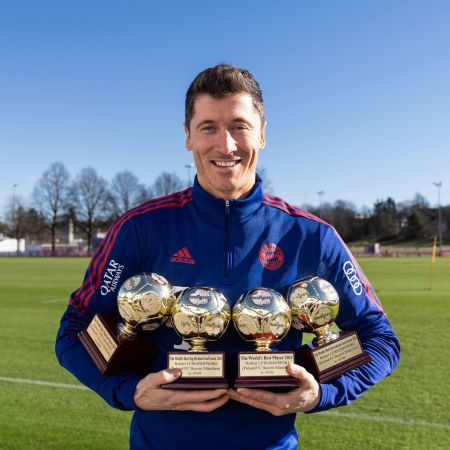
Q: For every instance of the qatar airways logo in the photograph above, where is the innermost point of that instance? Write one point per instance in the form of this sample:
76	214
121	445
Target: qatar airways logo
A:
352	277
111	277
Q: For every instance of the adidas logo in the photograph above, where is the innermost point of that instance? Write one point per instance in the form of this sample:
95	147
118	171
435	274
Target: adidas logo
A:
183	256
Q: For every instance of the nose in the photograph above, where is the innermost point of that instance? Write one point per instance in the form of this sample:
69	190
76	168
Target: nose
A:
226	143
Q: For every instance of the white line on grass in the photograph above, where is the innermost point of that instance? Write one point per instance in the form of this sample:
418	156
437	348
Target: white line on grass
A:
56	300
42	383
344	415
388	419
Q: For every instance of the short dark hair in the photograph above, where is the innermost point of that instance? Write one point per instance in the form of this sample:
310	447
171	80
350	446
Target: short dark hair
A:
218	82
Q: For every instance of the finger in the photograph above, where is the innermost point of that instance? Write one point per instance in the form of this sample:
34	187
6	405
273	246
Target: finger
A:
271	408
260	399
309	393
299	372
207	406
278	400
162	377
179	397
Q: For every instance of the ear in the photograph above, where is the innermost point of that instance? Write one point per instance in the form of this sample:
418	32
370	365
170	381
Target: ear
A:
188	137
263	136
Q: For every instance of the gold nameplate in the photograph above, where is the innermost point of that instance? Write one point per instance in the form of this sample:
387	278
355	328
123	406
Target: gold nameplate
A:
101	337
197	365
337	352
262	364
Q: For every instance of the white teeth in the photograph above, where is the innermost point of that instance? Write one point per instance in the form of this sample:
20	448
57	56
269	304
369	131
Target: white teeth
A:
225	163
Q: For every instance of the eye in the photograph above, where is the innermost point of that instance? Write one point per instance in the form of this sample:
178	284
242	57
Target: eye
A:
239	127
208	128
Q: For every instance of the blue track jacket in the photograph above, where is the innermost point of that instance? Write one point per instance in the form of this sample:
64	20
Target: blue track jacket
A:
192	238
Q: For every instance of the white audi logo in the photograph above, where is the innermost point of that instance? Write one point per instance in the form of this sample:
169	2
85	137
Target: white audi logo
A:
352	277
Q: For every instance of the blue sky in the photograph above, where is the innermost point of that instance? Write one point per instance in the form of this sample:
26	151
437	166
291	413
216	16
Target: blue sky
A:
357	92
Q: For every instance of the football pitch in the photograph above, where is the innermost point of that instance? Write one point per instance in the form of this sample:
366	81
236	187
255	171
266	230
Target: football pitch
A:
44	407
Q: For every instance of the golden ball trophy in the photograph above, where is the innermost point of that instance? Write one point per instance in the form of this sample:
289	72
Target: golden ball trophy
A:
315	304
199	314
118	343
263	317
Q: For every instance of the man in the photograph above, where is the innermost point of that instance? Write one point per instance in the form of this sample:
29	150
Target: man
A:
238	238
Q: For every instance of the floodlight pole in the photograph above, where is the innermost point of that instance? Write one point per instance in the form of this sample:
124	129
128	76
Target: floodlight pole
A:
320	194
14	192
14	202
438	184
15	215
189	167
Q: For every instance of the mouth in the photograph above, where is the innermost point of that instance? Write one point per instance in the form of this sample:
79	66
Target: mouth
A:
226	163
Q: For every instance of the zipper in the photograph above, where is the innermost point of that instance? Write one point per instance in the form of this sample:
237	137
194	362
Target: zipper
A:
227	238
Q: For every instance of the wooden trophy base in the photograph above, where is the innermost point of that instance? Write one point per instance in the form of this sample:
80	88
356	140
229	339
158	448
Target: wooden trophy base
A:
199	370
334	358
197	383
112	355
266	370
274	384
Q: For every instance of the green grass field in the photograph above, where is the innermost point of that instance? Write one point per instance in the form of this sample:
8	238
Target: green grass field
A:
409	410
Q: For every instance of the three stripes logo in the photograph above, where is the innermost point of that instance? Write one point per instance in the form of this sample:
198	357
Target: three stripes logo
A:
182	256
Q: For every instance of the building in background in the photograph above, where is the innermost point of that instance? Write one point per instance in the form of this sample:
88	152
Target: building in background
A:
9	245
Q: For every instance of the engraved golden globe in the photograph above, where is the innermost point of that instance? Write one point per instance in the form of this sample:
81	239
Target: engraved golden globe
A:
199	315
117	342
144	301
263	317
315	305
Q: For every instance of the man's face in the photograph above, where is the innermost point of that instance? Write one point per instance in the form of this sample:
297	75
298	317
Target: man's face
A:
225	136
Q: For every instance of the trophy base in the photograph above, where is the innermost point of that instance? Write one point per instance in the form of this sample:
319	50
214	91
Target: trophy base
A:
266	370
197	383
334	358
274	384
199	370
112	355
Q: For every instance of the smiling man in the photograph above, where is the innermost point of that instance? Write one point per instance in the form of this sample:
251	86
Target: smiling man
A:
225	135
233	237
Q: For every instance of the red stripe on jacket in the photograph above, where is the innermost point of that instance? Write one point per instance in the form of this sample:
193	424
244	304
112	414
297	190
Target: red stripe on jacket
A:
280	204
82	296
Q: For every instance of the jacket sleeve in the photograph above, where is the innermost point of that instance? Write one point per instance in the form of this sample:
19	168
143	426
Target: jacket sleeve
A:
360	311
116	259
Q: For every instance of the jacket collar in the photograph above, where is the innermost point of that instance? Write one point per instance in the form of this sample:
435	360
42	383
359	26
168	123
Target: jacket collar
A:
239	209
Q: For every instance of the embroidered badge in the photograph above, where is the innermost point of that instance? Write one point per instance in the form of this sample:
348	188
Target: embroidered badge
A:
271	256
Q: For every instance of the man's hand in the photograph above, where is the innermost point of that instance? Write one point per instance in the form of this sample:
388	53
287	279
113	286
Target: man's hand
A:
150	396
305	398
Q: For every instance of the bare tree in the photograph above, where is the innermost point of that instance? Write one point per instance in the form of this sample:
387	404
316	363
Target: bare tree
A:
89	197
35	225
266	181
51	195
4	229
15	217
126	192
165	184
420	201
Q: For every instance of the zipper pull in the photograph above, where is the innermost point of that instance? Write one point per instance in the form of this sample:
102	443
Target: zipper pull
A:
227	207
